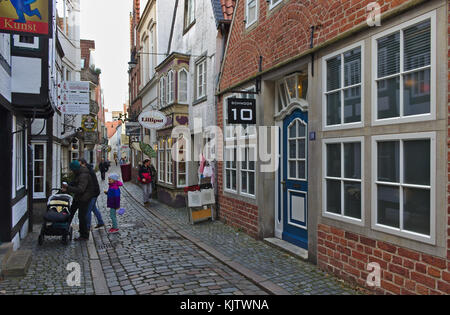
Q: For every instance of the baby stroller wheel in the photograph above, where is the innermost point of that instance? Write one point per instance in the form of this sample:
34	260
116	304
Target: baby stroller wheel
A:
41	239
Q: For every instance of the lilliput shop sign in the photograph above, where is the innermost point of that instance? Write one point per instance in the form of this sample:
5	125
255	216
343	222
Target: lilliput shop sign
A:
26	17
152	119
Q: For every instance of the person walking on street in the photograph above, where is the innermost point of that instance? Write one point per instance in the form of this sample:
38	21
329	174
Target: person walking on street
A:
145	177
113	200
93	202
84	190
103	167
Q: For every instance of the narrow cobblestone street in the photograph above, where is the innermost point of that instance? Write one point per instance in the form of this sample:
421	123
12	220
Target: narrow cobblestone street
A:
158	252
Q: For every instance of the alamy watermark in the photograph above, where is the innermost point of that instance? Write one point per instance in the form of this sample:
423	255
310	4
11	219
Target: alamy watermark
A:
74	278
374	277
374	14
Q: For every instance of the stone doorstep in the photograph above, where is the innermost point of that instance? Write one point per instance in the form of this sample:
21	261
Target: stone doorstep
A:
6	249
287	247
17	264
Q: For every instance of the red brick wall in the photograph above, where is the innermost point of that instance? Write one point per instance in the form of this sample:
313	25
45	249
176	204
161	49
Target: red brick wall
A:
85	47
286	31
403	271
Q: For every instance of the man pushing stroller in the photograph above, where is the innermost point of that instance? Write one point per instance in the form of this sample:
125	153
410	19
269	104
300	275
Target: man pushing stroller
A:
84	190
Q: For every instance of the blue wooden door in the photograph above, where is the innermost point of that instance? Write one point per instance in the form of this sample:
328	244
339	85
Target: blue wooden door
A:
295	178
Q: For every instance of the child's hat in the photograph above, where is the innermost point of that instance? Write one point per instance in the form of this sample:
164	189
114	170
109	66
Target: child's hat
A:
114	176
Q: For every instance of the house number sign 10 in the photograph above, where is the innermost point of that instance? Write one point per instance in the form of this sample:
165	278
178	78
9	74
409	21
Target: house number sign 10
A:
242	111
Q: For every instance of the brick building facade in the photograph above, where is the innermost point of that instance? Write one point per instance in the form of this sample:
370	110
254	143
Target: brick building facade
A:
362	126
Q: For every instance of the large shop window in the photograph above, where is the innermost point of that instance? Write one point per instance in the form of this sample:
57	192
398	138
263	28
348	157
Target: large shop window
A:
404	70
343	85
343	181
403	191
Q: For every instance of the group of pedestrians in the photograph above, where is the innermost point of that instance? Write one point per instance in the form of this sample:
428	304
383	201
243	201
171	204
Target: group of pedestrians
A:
86	190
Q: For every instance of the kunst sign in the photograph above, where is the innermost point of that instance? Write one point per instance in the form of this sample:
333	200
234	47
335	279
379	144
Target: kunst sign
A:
152	119
26	17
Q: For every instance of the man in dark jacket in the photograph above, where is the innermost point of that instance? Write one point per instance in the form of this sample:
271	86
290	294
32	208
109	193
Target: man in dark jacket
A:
93	202
84	190
103	167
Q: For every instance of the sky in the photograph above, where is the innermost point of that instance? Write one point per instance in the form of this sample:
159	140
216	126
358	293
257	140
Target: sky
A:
108	24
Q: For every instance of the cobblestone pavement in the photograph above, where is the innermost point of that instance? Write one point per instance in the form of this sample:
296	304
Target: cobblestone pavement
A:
47	273
147	257
292	274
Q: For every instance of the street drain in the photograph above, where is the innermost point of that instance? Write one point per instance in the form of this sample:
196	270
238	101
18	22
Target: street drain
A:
106	246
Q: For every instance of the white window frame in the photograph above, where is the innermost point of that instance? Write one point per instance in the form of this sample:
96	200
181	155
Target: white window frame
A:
231	169
179	87
171	86
40	195
161	158
341	90
297	159
247	6
18	43
342	179
199	84
398	231
189	13
152	51
168	164
432	67
240	170
20	157
274	3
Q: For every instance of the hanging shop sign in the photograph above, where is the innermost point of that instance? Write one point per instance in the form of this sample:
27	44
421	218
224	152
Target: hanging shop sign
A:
133	129
89	123
147	150
27	17
152	119
242	111
74	98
